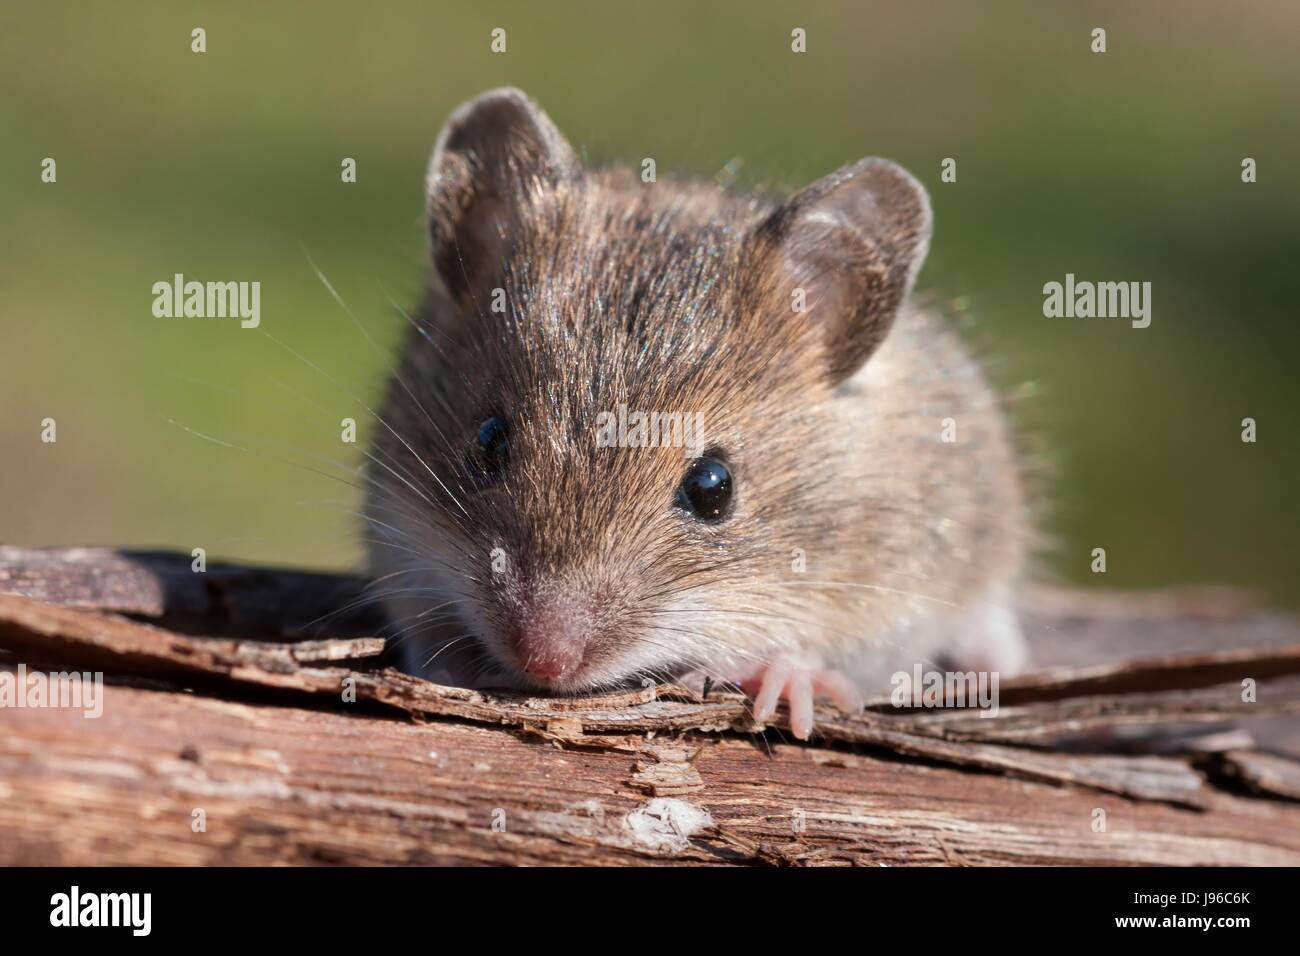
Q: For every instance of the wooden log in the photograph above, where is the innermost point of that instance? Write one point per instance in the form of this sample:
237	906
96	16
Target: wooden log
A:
292	740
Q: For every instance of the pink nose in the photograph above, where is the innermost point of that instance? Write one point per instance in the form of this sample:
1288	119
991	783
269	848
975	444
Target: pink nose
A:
549	647
549	668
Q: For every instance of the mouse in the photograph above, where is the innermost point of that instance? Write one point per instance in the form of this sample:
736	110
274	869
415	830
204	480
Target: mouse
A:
647	428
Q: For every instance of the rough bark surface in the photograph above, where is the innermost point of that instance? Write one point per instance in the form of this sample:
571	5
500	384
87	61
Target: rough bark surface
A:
245	699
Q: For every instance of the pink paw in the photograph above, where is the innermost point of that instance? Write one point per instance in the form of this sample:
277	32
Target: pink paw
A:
799	683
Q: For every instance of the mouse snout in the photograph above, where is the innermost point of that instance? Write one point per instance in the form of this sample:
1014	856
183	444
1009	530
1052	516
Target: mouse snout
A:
550	641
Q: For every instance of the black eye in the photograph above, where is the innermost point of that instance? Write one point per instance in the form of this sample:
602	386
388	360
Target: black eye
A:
493	445
705	492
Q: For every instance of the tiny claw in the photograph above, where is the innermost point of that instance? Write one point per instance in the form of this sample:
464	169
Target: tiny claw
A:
799	692
799	683
769	692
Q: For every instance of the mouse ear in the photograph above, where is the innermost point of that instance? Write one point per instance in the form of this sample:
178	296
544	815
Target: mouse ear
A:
848	248
492	156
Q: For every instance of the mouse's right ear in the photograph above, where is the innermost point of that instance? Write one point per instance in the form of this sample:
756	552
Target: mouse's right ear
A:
495	153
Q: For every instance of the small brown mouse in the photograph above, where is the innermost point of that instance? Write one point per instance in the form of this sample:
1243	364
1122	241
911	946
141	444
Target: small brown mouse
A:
848	502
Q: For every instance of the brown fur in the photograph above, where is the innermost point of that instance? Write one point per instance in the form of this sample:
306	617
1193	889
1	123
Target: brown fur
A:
675	296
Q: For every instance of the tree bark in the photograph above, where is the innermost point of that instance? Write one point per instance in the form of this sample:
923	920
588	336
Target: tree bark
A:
247	721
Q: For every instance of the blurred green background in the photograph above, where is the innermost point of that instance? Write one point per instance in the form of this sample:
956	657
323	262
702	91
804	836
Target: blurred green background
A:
225	165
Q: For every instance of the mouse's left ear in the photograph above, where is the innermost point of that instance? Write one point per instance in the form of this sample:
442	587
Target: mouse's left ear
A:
492	158
847	250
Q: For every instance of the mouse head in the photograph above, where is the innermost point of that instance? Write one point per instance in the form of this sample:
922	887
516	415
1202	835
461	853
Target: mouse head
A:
613	422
